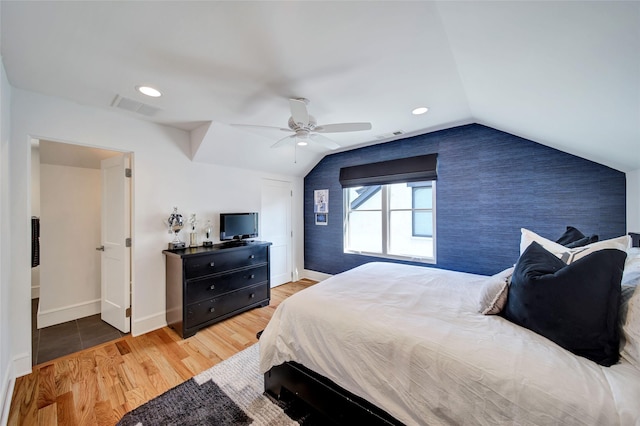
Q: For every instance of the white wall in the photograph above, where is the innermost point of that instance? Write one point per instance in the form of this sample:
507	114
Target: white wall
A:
69	233
6	343
163	177
633	201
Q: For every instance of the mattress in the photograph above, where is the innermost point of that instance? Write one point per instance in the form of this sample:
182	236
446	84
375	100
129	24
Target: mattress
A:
409	339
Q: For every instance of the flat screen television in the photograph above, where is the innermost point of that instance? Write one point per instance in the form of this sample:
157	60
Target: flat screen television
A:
238	226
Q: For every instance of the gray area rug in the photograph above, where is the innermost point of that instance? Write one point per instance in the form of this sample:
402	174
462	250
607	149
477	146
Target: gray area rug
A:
229	393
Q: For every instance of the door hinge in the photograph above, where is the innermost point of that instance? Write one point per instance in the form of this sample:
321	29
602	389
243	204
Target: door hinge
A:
127	242
128	312
127	172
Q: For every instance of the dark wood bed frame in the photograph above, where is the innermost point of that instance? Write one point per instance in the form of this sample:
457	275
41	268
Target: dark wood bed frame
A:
325	396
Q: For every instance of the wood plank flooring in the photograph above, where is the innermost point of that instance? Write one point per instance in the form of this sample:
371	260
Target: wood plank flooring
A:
97	386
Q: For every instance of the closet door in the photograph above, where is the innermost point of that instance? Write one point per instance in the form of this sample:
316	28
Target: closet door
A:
275	227
116	253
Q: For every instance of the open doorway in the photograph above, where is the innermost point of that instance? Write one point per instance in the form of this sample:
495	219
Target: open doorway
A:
66	282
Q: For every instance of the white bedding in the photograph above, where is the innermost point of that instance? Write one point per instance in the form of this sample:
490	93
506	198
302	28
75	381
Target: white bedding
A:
409	340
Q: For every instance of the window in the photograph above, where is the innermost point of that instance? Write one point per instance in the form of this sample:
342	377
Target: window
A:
422	205
393	220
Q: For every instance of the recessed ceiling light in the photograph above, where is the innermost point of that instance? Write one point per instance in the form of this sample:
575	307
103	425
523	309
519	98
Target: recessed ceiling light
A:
419	110
149	91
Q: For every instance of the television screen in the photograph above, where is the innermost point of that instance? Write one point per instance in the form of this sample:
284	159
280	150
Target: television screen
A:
238	226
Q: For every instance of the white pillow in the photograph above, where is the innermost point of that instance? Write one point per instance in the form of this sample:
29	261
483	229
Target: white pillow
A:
630	321
631	273
568	255
493	295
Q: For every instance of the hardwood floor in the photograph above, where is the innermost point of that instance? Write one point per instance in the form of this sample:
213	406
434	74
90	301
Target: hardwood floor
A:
97	386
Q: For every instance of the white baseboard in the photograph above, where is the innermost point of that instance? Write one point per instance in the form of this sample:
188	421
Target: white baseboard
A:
20	366
8	382
315	275
68	313
149	323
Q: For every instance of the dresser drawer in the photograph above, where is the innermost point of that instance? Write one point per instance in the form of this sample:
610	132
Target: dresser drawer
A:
212	286
198	266
198	313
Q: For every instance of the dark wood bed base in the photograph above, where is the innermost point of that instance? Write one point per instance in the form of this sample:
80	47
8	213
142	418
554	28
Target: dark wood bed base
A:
331	400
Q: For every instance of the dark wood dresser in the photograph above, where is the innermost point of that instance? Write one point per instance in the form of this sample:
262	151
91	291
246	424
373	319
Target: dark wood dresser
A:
209	284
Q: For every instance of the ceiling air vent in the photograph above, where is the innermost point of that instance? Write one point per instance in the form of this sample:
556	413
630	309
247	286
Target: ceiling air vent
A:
134	106
390	135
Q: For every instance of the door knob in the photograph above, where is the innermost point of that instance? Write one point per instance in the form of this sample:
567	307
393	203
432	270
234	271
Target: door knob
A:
101	248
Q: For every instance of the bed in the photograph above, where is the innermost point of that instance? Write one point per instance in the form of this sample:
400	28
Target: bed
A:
402	344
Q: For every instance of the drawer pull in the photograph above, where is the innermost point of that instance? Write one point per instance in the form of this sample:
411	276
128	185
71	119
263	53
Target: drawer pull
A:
252	276
212	287
251	296
253	256
212	310
212	264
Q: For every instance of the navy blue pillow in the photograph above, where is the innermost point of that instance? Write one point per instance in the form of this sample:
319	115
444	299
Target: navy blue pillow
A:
575	305
573	238
582	242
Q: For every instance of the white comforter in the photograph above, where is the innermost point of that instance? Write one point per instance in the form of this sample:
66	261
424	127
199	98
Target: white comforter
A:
409	339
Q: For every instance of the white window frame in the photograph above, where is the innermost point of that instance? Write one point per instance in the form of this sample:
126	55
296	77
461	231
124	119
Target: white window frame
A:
385	213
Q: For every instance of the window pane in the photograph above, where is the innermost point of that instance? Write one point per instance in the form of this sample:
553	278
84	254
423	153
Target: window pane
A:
400	196
422	198
423	223
401	239
365	198
364	233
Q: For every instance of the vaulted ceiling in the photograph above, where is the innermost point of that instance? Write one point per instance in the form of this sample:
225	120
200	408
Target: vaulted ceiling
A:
565	74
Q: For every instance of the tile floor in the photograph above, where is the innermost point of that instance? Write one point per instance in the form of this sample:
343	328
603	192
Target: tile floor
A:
62	339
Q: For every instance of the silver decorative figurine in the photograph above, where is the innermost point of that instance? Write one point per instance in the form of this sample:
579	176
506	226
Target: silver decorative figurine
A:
175	225
193	236
207	235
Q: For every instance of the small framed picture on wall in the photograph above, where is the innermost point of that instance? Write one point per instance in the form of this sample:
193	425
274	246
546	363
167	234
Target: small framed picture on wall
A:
321	218
321	201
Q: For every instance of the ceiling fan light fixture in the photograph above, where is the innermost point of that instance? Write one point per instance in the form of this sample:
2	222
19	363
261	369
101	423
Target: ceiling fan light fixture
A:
305	129
419	110
149	91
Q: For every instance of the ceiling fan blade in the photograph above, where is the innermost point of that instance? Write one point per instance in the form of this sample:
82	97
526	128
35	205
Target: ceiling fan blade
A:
283	141
342	127
324	141
299	111
257	126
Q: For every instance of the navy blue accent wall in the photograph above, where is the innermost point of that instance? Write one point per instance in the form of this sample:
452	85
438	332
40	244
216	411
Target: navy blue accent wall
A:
490	184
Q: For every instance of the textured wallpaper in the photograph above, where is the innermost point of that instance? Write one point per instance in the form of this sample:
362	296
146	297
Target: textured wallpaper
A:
490	184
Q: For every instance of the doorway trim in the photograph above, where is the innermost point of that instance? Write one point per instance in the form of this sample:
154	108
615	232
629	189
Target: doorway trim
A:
36	140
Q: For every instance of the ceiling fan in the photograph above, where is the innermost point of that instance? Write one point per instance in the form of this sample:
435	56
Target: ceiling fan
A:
305	128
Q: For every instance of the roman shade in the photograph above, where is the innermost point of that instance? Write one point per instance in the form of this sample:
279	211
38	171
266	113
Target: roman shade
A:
411	169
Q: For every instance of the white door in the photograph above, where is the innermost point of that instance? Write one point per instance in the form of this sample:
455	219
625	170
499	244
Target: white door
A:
116	256
275	227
